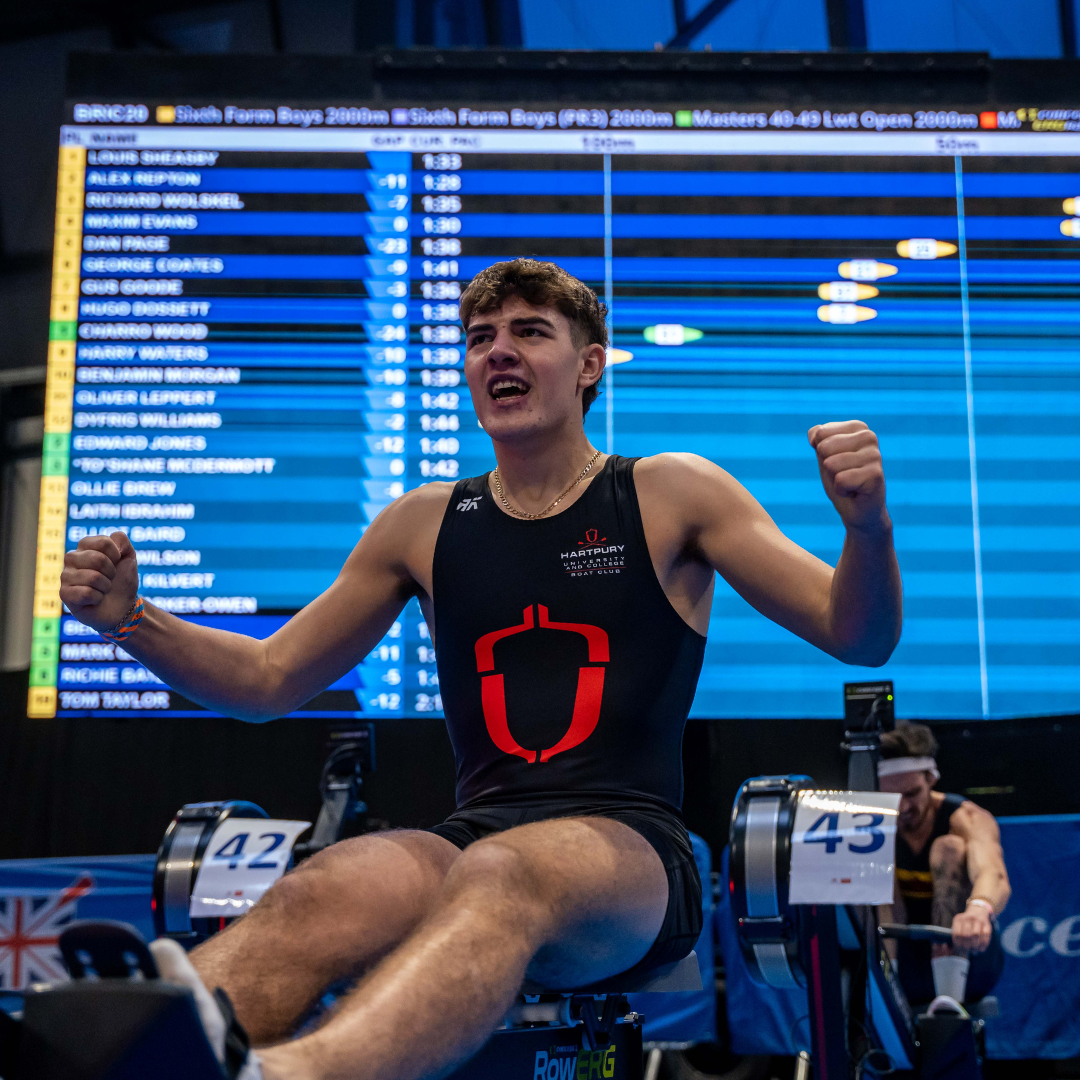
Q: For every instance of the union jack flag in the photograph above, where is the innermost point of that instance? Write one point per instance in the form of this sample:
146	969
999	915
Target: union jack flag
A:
30	929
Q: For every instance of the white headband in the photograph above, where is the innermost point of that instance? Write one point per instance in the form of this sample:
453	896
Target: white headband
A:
892	766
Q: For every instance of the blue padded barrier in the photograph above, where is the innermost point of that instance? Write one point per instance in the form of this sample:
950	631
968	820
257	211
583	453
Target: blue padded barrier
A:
687	1017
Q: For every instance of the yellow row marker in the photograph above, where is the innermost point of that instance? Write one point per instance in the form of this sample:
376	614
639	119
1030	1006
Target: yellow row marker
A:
59	398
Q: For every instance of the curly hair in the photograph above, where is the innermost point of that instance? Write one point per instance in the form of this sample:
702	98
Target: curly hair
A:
541	284
908	740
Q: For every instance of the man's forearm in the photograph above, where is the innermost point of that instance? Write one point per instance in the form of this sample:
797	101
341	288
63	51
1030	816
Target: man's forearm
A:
988	882
866	601
993	888
225	672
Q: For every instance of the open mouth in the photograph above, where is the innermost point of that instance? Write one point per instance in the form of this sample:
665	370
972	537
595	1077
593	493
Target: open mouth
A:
507	388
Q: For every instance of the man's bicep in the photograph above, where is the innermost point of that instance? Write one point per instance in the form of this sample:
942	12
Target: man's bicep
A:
333	633
979	830
770	571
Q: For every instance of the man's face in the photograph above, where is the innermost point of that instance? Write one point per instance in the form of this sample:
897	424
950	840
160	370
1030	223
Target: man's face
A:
914	791
524	370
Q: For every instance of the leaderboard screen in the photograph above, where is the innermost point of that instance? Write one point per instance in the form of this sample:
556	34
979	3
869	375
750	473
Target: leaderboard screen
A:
255	348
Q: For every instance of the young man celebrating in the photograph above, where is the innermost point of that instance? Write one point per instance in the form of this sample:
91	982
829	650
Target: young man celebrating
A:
950	872
569	594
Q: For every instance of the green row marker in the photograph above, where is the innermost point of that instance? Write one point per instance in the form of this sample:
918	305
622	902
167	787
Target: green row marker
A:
44	652
55	461
55	453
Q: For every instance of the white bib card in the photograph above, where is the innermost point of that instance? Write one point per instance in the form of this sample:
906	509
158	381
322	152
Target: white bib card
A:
843	847
244	858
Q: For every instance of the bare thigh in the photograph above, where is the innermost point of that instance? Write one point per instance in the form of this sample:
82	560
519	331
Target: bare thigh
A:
600	886
566	902
332	918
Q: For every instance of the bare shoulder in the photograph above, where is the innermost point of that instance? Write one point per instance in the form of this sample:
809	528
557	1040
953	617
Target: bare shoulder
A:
421	508
662	470
428	500
404	533
689	481
969	819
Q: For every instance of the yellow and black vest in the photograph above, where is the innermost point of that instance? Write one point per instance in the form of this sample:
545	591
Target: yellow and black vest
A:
913	875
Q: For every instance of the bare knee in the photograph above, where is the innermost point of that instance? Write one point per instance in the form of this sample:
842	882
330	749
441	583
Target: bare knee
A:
948	854
399	872
508	879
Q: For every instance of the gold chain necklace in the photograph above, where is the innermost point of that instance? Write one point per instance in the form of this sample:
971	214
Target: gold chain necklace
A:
532	517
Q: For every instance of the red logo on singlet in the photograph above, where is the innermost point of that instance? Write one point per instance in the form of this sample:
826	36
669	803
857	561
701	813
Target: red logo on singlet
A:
590	686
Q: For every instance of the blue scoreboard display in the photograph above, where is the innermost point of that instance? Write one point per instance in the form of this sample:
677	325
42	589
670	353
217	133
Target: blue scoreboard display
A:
255	348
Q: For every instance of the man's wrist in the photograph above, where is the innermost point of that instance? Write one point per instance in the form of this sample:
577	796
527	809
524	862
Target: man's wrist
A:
128	624
981	901
880	529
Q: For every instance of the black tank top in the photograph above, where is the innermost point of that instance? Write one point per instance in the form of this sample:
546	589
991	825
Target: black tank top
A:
563	667
913	876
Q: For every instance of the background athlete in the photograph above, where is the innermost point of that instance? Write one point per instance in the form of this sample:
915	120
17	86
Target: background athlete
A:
950	871
569	594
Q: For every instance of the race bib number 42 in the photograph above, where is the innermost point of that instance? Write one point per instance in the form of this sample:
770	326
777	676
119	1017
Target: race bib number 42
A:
244	858
843	847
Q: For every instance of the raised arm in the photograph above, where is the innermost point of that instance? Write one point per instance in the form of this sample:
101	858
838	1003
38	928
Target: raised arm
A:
852	611
243	676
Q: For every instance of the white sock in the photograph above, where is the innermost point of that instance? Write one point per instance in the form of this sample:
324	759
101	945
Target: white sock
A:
950	976
174	967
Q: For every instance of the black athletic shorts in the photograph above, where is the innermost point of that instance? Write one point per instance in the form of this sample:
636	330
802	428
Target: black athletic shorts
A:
662	828
917	976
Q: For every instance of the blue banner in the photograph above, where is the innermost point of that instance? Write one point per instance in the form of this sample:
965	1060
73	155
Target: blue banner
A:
685	1017
39	897
1039	990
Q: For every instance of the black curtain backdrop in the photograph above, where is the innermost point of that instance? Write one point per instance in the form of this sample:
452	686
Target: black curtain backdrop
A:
109	787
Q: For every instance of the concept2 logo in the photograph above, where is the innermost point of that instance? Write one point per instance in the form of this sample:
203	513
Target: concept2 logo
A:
590	686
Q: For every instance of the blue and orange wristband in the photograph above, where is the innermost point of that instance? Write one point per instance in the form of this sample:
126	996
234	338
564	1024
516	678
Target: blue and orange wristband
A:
128	624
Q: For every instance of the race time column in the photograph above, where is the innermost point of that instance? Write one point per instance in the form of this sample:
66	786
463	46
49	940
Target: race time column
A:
442	420
239	395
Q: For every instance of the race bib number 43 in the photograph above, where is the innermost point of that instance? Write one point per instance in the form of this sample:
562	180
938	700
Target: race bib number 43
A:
843	847
244	858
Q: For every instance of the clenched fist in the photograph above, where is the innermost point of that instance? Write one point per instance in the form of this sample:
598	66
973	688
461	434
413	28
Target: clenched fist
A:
100	580
850	464
972	929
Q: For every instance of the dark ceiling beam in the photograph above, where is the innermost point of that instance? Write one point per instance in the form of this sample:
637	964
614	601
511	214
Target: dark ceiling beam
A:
847	24
689	29
1067	17
48	17
502	23
277	25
